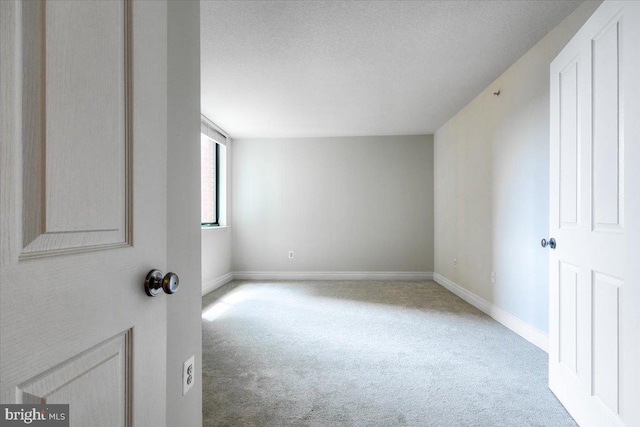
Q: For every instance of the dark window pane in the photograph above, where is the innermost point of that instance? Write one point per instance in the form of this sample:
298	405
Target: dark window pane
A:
208	180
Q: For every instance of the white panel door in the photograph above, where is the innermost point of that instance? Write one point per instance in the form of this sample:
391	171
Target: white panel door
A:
83	208
593	336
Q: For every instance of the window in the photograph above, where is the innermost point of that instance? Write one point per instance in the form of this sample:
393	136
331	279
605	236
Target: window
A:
209	181
213	174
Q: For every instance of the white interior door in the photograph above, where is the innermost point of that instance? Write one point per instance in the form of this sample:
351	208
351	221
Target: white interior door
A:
83	208
593	332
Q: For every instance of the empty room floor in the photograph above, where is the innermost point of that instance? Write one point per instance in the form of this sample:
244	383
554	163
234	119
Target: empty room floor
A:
365	353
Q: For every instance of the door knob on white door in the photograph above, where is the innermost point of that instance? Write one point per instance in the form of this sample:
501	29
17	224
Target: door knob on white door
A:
155	282
551	243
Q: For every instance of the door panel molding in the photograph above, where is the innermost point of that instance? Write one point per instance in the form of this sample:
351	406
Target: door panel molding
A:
569	147
107	362
607	147
568	316
93	212
605	339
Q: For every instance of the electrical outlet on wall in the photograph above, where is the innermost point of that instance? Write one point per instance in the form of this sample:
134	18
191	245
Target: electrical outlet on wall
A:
493	277
290	254
455	262
188	374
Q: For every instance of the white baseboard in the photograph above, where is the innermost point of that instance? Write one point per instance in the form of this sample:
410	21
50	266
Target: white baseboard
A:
517	325
333	275
214	284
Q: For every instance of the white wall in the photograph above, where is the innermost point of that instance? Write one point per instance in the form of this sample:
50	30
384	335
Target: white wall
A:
216	254
492	184
184	324
216	257
341	204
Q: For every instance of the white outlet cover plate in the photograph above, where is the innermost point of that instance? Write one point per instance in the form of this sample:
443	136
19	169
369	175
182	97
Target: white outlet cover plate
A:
186	383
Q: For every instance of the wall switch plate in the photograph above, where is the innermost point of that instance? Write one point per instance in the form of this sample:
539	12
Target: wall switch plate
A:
290	254
188	374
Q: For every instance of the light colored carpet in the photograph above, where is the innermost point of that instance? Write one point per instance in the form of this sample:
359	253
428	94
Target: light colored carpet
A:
347	353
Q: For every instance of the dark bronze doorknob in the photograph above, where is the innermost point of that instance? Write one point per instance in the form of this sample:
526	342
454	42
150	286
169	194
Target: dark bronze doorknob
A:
154	282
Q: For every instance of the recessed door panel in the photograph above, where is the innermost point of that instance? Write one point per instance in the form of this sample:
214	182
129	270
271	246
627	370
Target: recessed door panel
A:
75	126
569	148
607	149
102	369
605	341
568	316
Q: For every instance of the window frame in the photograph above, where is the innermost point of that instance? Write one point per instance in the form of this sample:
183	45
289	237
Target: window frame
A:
217	178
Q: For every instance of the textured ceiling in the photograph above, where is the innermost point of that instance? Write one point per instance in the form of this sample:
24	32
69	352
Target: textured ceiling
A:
327	68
